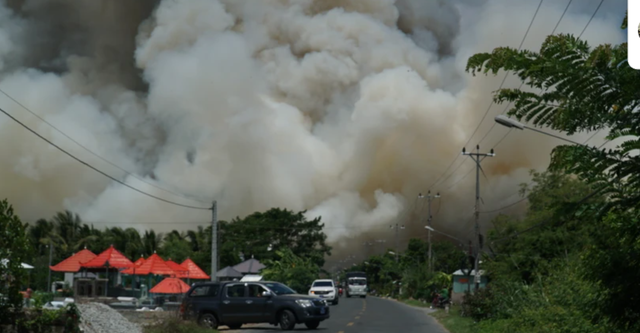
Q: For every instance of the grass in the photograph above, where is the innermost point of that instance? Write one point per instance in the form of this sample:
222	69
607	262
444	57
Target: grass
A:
454	322
176	325
414	302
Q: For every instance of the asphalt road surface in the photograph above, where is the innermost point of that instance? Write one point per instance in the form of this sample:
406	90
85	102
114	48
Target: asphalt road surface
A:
365	315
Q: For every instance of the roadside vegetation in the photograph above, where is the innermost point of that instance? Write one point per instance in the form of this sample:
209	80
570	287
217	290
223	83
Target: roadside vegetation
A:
569	263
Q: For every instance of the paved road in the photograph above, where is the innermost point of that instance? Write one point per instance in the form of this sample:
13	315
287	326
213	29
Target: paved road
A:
368	315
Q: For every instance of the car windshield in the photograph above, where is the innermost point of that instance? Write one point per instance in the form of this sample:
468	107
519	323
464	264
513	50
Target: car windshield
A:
280	289
357	282
322	284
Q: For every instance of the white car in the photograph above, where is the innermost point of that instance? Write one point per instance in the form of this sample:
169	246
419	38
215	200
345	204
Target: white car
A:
325	289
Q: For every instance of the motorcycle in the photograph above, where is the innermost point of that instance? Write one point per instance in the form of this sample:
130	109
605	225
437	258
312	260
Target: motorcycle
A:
441	303
340	292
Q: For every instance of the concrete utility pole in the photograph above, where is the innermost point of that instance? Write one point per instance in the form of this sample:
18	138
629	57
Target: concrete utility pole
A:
478	158
430	218
397	227
50	259
214	241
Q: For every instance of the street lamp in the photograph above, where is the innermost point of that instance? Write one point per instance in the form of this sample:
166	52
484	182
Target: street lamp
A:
430	218
510	123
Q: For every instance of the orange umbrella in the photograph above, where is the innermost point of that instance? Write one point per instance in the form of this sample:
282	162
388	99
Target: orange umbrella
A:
170	286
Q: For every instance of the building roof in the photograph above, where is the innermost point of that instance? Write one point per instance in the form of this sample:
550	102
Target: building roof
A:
195	272
109	258
139	262
228	272
250	266
73	263
181	272
153	265
473	272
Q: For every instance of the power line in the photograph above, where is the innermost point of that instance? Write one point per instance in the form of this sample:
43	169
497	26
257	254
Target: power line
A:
93	153
518	233
581	33
505	207
566	8
94	168
592	16
492	102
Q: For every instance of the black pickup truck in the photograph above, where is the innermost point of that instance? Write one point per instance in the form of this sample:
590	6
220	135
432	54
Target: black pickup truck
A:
236	303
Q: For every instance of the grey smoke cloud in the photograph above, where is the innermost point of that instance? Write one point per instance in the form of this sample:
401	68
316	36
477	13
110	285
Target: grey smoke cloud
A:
345	108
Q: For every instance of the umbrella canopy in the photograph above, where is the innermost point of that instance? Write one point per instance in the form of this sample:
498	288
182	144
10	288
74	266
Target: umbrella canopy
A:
181	272
153	265
195	272
73	263
229	272
109	258
170	286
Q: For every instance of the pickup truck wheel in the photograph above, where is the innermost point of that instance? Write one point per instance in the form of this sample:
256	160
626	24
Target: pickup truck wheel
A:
312	325
287	320
234	326
208	320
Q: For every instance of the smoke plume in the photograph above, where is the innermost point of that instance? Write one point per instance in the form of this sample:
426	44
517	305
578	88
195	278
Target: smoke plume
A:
348	109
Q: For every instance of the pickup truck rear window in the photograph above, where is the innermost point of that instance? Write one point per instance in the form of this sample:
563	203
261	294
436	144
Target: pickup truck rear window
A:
204	291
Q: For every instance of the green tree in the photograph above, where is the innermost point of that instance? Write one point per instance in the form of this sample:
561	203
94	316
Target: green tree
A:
582	89
295	271
262	234
14	250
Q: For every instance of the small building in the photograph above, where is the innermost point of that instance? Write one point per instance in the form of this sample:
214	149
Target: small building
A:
463	283
228	274
251	266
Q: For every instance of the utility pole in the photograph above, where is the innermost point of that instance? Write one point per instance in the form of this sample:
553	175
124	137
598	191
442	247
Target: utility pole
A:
214	241
397	227
478	158
50	259
430	218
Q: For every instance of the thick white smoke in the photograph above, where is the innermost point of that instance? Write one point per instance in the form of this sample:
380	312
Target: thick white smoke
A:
345	108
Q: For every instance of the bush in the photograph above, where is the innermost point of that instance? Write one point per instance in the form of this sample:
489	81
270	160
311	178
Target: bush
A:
40	321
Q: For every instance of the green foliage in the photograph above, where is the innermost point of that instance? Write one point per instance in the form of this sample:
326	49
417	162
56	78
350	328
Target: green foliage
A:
612	261
583	89
296	272
14	247
277	229
39	298
42	321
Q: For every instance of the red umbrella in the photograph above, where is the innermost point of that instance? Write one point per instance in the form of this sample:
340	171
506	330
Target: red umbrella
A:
170	286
